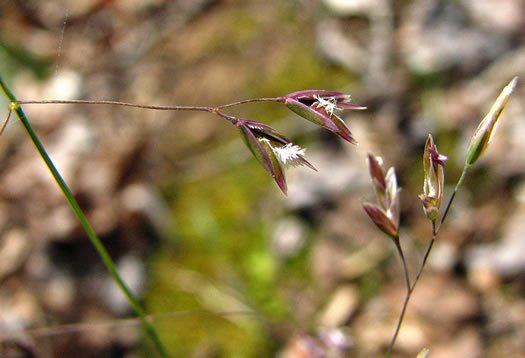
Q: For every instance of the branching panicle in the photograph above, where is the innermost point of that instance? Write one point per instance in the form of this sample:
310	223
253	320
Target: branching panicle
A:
274	152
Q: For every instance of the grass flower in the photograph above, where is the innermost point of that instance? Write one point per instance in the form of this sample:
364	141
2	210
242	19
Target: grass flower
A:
386	214
487	128
273	150
433	164
320	107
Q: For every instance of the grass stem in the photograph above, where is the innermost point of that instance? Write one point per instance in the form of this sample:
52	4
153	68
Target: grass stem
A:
110	265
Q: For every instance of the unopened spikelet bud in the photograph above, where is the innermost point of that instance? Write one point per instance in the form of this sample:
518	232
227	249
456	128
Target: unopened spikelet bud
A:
381	220
385	215
391	201
487	128
424	353
321	107
433	166
376	173
271	149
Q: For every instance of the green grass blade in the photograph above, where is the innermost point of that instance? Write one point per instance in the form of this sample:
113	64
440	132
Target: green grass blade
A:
110	265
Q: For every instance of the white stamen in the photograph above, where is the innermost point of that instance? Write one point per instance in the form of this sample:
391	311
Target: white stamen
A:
290	154
329	104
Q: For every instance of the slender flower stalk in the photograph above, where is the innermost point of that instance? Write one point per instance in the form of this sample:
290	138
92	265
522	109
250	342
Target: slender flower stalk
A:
410	291
273	150
4	125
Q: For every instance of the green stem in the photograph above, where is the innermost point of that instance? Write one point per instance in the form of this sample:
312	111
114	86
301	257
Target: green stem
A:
407	297
403	261
410	290
110	265
460	181
399	323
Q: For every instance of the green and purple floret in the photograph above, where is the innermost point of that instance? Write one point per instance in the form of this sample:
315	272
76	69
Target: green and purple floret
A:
433	165
320	107
386	213
272	149
487	128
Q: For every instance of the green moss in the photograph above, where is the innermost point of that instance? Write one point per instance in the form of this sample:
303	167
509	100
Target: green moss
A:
188	325
220	238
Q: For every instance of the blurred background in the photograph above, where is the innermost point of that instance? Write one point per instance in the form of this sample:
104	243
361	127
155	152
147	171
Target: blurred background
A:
226	265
